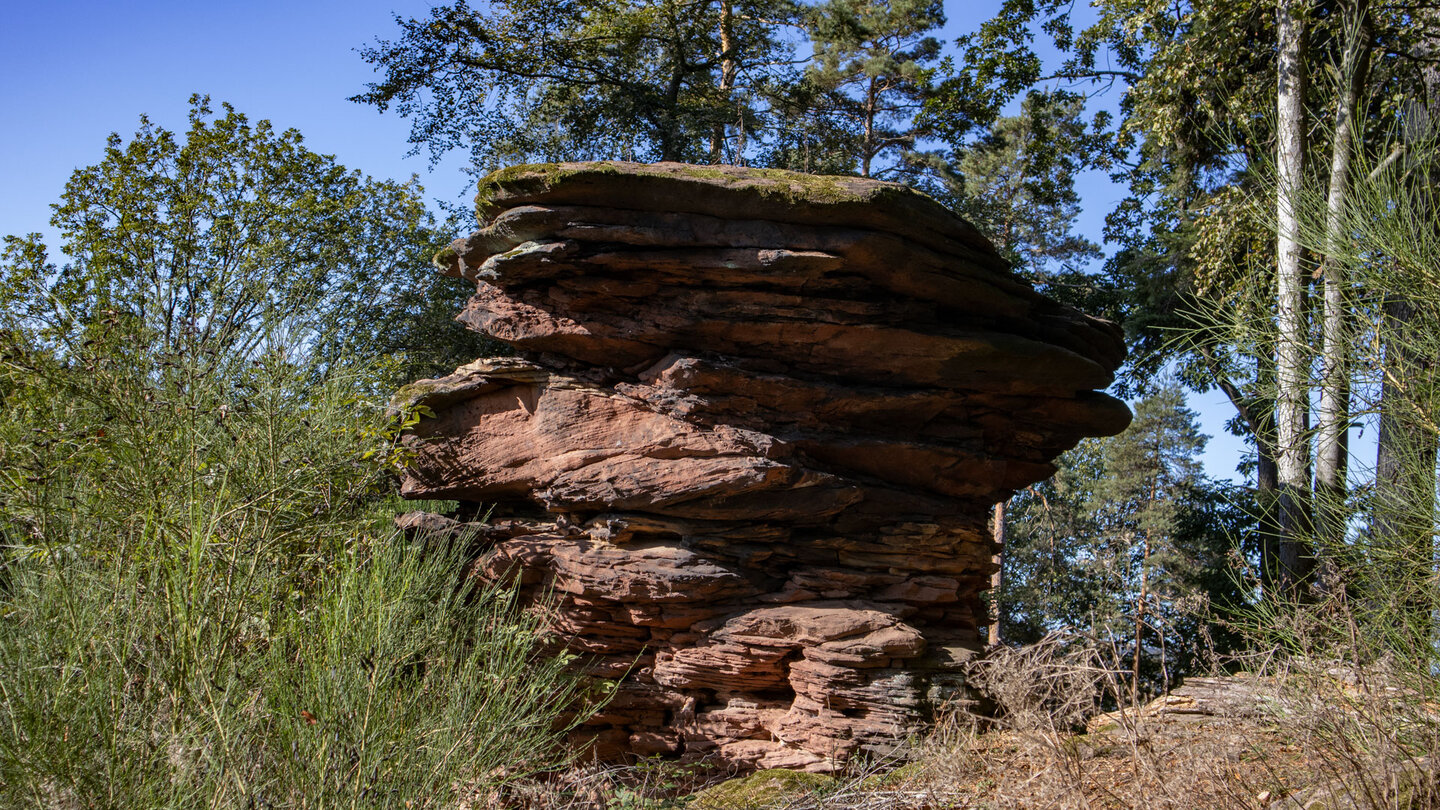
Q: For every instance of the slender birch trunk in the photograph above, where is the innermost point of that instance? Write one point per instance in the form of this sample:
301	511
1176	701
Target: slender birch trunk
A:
728	71
1292	358
1333	428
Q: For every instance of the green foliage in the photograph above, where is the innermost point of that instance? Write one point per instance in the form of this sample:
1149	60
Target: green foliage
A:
162	682
1127	531
714	81
1019	187
195	591
997	65
404	322
212	245
774	787
701	81
857	99
1046	578
1015	175
1381	571
201	603
1196	98
531	81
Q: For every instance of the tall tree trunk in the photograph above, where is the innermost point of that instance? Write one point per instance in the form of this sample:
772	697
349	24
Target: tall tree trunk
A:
997	579
1259	417
1267	505
1292	361
1403	525
1404	518
667	122
867	147
1140	604
728	71
1405	448
1333	428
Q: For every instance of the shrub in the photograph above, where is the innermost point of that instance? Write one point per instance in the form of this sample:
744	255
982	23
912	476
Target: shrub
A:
202	603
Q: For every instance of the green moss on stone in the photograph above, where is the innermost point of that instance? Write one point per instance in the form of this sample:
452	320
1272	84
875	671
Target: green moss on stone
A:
703	173
892	778
790	187
493	183
446	259
543	175
410	395
763	789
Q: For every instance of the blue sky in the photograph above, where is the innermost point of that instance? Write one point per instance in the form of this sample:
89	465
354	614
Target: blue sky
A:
76	71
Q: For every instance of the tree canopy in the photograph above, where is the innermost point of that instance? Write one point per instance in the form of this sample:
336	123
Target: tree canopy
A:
229	238
870	74
583	79
1130	544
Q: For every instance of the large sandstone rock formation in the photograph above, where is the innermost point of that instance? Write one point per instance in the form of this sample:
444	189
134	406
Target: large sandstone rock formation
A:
749	441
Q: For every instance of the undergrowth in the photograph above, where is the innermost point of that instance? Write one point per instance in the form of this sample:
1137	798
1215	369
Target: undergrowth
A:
202	603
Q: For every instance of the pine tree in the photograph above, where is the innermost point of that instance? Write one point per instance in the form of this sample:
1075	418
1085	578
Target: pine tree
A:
1129	542
870	74
584	79
1019	185
1148	473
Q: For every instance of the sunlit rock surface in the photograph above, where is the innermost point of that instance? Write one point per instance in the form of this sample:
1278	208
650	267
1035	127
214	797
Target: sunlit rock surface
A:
749	441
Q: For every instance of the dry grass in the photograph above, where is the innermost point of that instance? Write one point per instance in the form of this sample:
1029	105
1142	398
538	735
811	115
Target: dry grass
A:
1041	753
1310	734
1143	763
1370	732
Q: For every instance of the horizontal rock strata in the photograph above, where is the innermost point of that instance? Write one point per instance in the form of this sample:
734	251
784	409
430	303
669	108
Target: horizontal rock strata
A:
749	442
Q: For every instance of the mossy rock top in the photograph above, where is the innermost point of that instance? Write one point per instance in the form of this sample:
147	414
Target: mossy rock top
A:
762	790
733	192
465	383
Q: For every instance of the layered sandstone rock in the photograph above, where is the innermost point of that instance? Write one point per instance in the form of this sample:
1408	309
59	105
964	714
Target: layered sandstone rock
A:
749	441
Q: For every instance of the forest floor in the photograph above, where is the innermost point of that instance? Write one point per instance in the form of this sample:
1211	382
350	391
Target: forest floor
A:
1226	742
1179	751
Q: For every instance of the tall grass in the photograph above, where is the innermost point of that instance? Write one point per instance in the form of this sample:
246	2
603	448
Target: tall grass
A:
202	605
1358	649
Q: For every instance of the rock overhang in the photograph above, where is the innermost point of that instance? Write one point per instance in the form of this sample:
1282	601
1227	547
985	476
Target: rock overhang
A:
752	399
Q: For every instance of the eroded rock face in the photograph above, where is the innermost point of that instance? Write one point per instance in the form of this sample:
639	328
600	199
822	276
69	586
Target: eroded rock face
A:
749	442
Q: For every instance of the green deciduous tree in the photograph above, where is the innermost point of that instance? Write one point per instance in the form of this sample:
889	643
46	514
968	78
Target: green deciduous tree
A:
1201	132
204	601
228	237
